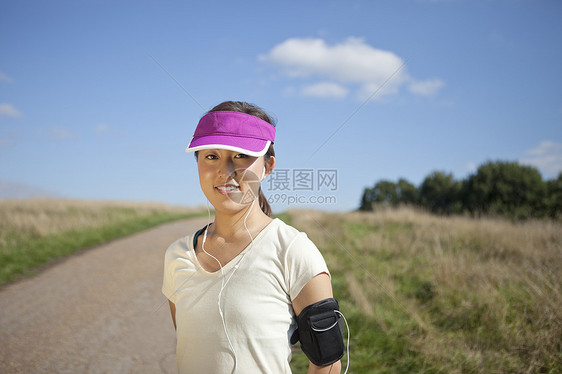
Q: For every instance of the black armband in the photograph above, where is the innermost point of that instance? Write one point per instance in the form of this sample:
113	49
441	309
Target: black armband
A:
320	331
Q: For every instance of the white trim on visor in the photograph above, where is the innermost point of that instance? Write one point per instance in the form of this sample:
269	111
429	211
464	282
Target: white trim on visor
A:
230	148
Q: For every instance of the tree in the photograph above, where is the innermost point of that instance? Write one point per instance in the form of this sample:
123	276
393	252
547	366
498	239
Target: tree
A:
505	188
389	193
439	192
407	192
553	200
502	188
367	199
385	192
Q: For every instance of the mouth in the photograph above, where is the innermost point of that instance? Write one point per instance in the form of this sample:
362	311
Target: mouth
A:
228	188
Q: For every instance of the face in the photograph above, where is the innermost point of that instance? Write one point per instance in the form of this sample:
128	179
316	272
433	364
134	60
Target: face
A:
230	180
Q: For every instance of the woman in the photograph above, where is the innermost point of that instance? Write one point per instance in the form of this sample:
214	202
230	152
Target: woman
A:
236	286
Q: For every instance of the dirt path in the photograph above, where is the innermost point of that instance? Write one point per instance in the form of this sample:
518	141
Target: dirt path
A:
100	311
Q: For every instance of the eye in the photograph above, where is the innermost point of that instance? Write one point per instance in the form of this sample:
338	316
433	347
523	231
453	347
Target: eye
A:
211	156
241	155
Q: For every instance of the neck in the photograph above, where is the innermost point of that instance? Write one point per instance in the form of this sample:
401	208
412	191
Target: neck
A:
228	225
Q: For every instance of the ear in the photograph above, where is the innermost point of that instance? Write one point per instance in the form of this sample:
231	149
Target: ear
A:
269	165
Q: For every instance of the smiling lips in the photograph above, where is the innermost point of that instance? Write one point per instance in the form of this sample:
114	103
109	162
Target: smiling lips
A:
228	188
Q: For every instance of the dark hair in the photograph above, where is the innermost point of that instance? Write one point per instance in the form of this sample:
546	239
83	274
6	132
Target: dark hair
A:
254	110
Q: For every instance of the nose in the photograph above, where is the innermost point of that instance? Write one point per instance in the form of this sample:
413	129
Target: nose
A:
226	169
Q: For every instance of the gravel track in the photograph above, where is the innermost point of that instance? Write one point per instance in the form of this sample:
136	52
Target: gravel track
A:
99	311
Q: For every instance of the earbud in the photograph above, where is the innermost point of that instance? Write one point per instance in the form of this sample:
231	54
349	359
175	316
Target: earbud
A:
262	174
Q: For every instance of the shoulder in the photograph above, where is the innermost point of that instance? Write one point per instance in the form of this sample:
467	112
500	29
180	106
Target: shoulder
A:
294	244
180	247
186	242
284	230
288	236
301	259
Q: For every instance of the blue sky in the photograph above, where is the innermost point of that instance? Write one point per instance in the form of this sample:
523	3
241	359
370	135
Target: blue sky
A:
95	96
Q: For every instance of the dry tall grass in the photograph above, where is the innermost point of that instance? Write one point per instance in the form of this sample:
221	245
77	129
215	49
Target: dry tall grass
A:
40	217
34	232
484	295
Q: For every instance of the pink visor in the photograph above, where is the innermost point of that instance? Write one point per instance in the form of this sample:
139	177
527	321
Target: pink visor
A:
235	131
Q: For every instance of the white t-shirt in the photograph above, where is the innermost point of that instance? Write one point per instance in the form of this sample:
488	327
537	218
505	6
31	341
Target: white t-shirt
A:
256	302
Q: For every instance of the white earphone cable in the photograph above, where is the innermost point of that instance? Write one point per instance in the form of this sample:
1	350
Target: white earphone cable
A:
348	336
223	283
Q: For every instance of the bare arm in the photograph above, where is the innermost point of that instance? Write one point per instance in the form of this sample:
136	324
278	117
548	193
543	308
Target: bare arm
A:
317	289
173	311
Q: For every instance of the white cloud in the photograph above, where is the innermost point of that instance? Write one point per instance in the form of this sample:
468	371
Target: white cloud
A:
426	88
547	157
352	62
8	110
325	90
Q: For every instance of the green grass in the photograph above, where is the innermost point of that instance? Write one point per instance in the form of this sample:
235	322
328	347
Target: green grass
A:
421	294
425	294
285	217
28	244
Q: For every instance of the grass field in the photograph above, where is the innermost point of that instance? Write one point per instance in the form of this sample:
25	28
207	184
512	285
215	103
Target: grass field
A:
34	232
421	293
428	294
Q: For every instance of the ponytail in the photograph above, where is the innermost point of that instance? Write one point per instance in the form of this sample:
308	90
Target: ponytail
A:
264	204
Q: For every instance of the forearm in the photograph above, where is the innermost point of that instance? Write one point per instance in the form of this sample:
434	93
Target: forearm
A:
335	368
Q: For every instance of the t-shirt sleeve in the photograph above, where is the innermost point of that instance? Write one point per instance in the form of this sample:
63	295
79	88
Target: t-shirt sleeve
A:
168	282
303	262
